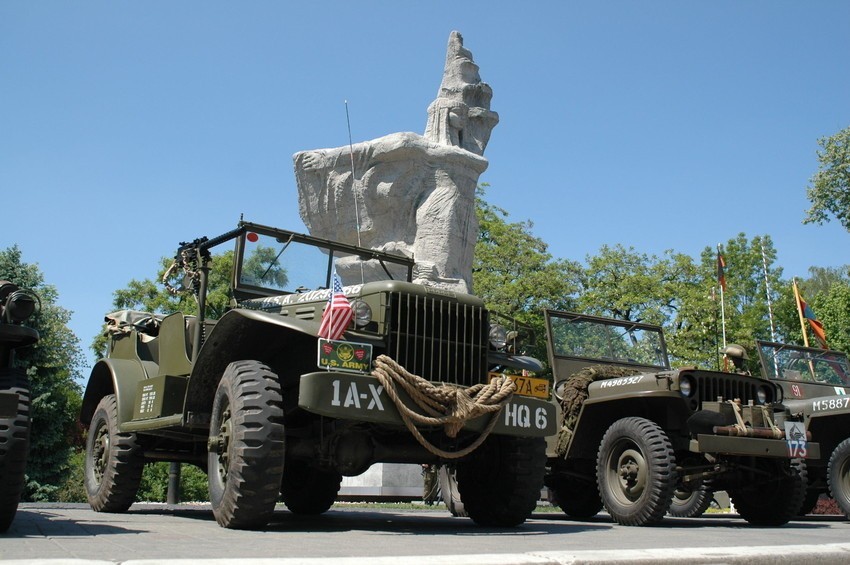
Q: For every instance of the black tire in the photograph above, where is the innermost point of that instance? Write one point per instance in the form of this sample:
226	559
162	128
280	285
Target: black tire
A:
636	470
810	502
690	502
14	445
449	492
308	490
500	482
577	498
773	497
246	443
114	461
838	476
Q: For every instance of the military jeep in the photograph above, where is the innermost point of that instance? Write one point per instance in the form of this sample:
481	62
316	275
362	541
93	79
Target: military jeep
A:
816	383
16	306
641	439
273	411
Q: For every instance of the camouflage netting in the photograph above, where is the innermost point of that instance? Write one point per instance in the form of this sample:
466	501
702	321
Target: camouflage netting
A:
575	393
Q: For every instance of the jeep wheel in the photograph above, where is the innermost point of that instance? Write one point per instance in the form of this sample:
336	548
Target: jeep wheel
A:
14	445
636	470
114	461
449	491
839	476
690	502
774	496
577	498
246	446
308	490
500	482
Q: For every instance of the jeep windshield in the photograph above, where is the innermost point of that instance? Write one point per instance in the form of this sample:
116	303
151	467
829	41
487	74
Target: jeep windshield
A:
606	341
272	262
804	364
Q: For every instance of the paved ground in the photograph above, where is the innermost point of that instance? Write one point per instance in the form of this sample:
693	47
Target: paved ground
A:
157	534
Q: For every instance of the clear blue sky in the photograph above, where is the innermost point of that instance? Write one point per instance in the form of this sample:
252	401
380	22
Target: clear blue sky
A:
127	127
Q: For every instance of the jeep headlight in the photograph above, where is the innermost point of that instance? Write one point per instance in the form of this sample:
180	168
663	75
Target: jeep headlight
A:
763	395
686	387
498	336
362	313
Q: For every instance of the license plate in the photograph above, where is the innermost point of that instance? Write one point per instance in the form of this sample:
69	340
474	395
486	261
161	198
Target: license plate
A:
528	386
345	356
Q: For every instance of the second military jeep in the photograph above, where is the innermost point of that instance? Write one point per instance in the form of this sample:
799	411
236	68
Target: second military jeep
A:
816	383
272	410
640	438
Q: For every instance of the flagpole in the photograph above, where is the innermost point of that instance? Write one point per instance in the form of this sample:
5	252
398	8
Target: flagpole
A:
354	190
800	312
722	305
767	293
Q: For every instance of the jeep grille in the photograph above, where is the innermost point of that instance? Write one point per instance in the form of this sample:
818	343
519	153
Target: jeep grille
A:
439	340
729	387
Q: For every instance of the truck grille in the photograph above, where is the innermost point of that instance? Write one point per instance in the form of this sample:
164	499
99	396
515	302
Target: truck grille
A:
437	339
730	388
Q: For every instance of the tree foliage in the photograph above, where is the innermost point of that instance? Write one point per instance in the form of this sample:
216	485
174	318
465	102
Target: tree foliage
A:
829	188
514	273
52	365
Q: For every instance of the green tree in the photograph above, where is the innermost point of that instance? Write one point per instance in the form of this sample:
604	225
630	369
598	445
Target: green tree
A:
745	301
514	273
829	188
151	295
827	291
53	365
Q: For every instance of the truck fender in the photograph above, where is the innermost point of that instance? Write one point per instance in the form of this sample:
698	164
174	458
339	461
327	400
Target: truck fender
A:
105	380
247	334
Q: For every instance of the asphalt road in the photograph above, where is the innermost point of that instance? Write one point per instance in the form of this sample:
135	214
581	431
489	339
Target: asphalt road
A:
156	533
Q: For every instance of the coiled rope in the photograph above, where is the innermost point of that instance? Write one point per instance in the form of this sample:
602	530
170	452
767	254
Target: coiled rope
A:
446	405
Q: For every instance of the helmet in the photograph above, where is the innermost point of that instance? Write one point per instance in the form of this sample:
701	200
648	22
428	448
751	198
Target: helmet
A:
735	351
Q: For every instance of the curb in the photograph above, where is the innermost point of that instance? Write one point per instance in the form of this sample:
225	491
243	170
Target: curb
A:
825	554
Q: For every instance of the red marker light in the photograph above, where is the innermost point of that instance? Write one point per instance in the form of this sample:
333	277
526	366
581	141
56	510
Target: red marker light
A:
252	237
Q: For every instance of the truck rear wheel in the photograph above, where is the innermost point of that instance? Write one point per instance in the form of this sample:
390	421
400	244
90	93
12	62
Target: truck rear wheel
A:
246	446
449	491
14	445
308	490
114	461
500	482
690	502
772	497
839	476
577	498
636	470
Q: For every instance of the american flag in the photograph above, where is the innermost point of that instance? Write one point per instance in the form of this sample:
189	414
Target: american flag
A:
337	314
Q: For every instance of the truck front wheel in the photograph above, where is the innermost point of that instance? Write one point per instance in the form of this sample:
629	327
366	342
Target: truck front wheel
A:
636	470
500	482
839	476
308	490
14	444
114	461
773	495
246	446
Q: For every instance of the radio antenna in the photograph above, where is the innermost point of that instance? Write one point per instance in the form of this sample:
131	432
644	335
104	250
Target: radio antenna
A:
354	190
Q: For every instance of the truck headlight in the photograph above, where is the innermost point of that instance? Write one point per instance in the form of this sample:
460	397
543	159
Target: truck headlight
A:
686	387
498	336
362	313
764	395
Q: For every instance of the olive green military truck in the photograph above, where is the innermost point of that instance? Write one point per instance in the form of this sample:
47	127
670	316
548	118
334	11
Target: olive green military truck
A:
639	438
277	400
816	383
16	306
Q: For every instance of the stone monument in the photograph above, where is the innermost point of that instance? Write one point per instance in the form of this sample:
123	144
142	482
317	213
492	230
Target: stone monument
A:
407	193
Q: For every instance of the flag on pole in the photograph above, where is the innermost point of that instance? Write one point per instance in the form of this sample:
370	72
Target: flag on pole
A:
721	266
338	312
816	325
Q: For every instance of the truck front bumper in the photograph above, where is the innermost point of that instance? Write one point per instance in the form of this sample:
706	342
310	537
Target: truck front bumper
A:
358	397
